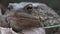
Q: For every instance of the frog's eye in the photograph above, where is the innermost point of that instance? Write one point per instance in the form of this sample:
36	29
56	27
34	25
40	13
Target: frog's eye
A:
29	7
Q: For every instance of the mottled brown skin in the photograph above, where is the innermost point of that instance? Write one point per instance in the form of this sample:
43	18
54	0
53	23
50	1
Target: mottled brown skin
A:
23	19
18	21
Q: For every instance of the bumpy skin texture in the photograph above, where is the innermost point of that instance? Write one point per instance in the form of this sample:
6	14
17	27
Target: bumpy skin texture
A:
27	14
